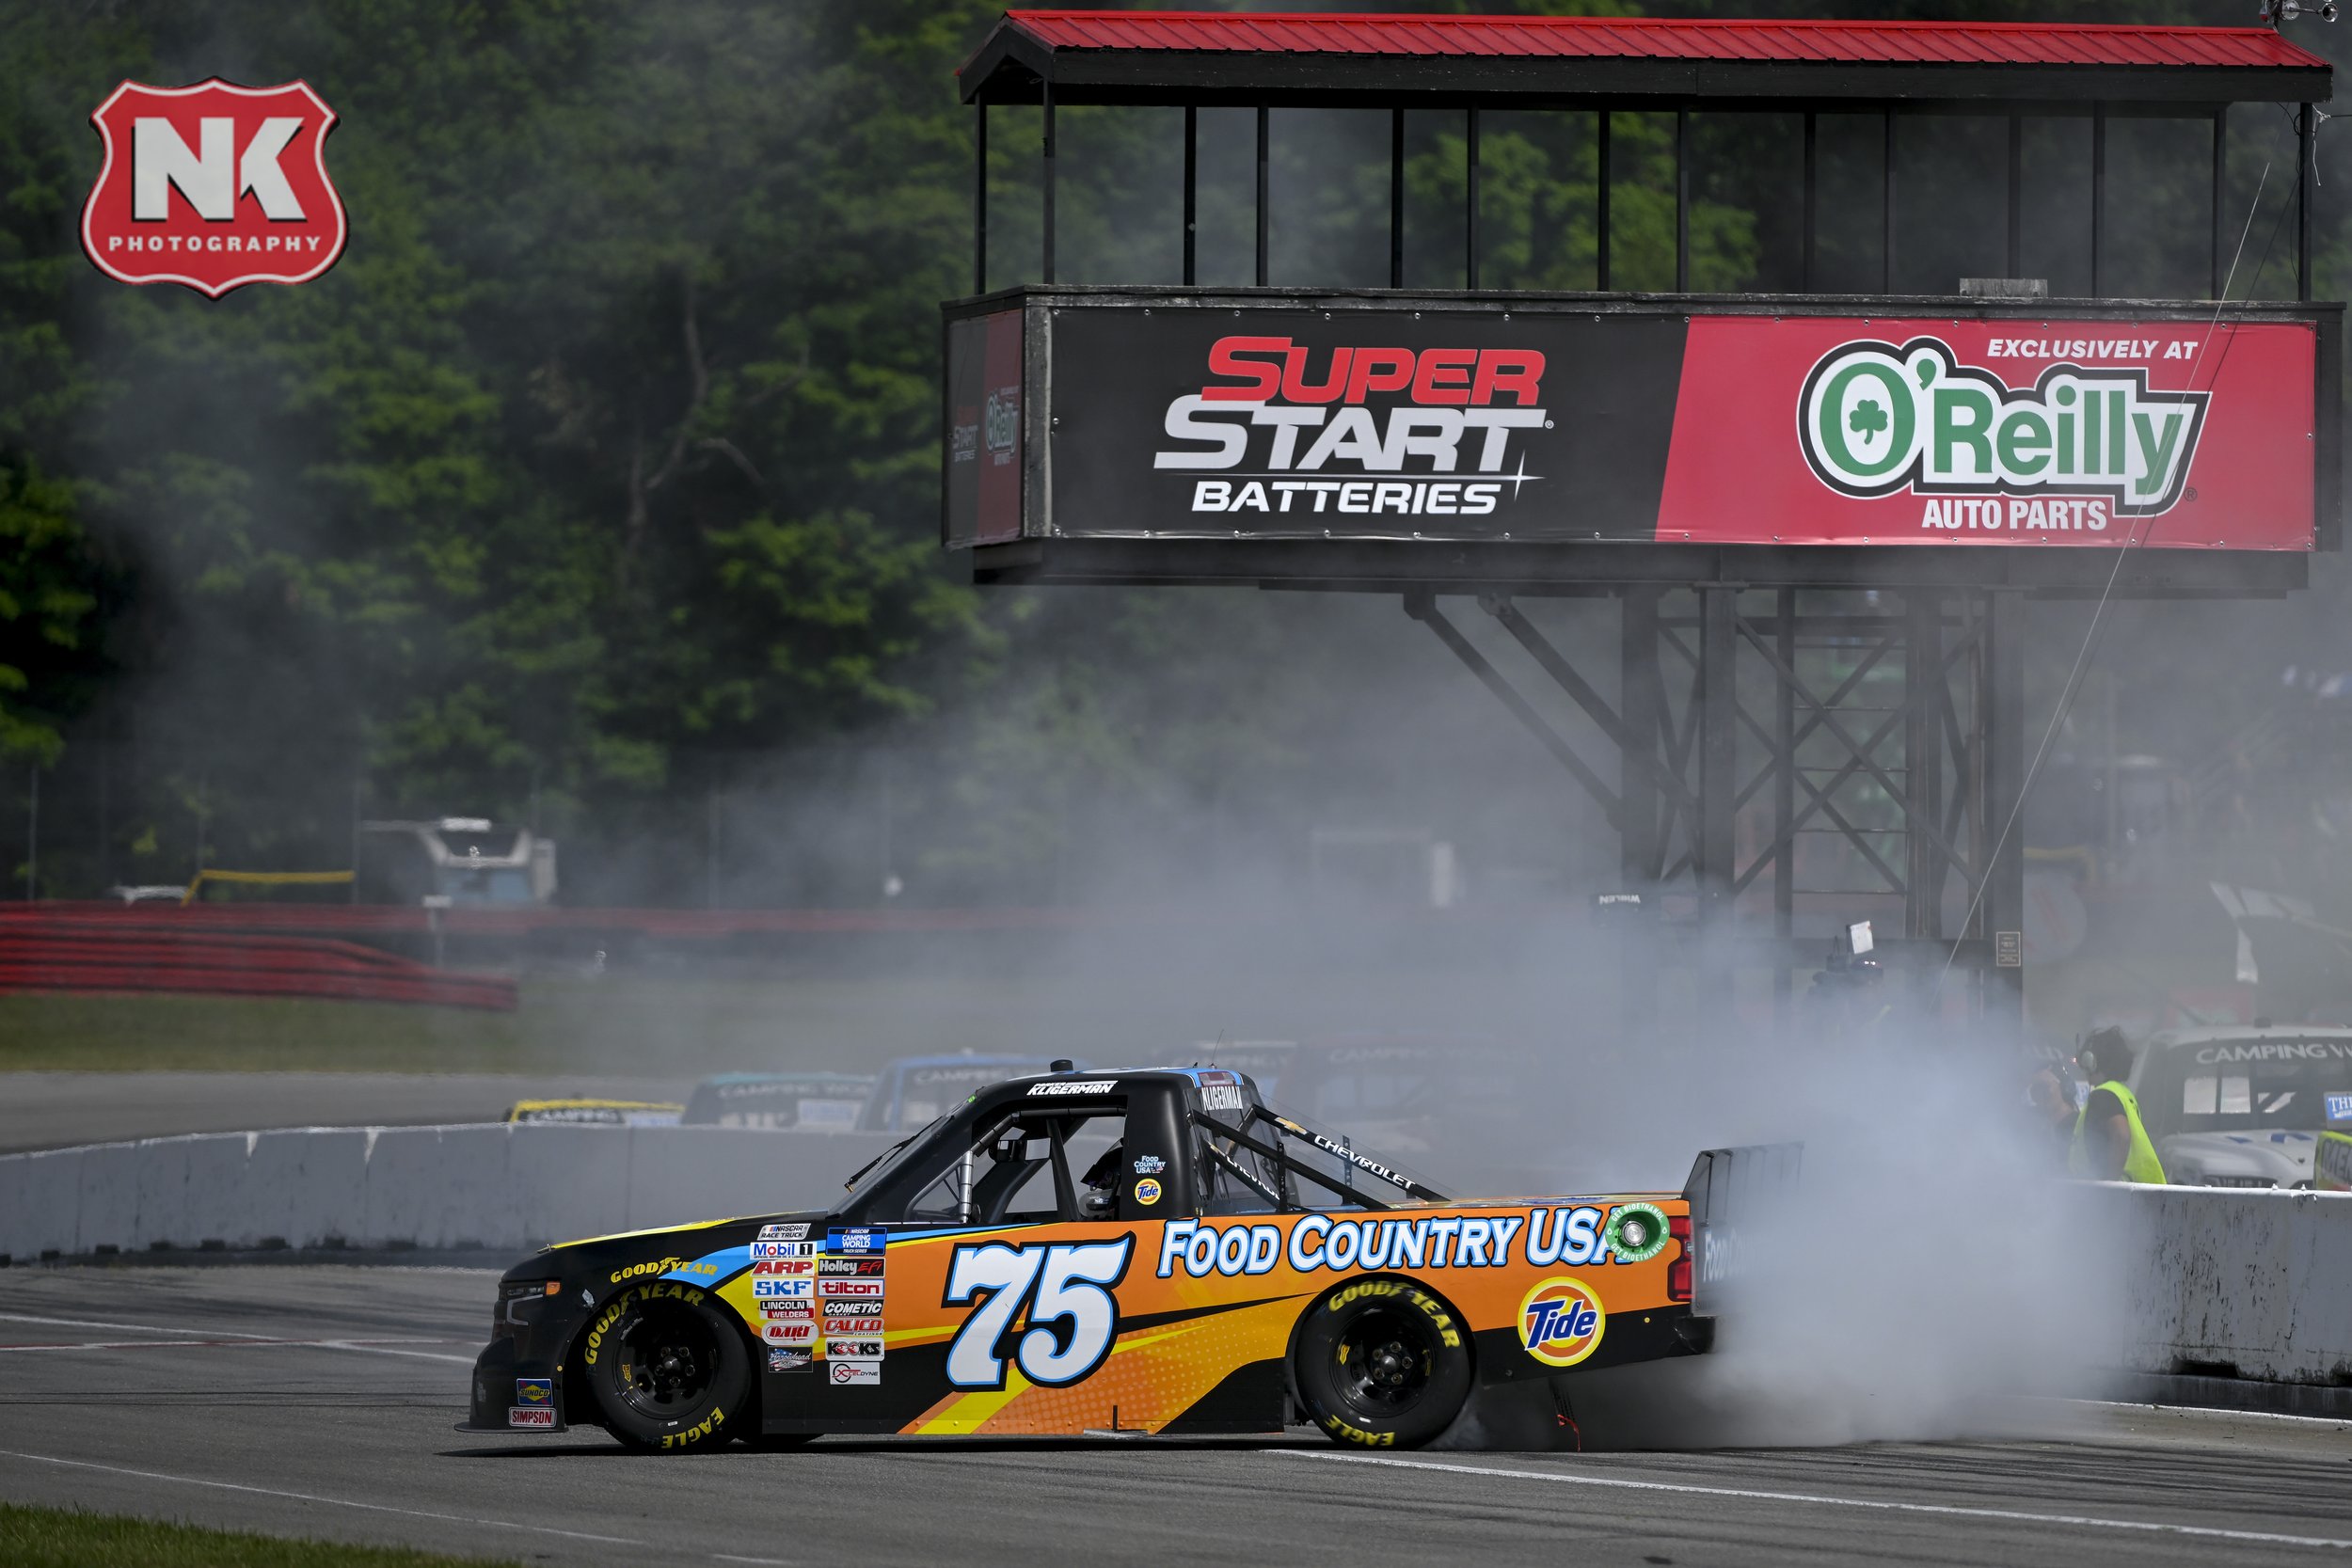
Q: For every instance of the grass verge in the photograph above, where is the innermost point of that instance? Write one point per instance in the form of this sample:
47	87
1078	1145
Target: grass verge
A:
69	1538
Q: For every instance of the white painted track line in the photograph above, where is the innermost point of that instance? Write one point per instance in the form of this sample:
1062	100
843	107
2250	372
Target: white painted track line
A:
314	1498
1563	1478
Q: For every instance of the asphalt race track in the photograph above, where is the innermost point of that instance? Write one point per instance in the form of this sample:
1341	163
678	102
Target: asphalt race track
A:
319	1401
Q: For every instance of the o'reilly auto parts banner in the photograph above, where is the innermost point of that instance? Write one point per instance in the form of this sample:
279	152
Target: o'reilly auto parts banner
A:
1211	420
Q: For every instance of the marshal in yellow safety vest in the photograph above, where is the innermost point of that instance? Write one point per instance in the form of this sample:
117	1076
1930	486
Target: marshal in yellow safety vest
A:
2139	1162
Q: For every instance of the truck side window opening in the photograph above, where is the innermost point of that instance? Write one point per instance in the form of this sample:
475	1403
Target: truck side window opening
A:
1020	1169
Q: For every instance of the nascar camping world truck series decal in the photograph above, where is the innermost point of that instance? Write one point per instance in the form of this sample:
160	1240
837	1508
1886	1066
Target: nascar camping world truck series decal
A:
1639	426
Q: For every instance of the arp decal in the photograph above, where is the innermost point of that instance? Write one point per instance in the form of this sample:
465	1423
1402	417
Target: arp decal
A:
1064	1284
1562	1321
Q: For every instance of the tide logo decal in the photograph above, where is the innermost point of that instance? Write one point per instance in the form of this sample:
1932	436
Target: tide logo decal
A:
1560	1322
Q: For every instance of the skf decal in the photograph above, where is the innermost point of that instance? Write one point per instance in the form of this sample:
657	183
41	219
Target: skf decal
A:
213	186
1562	1321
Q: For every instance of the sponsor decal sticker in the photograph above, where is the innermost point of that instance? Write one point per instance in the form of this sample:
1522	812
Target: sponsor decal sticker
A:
783	1268
795	1331
860	1239
845	1373
213	186
1150	1164
867	1289
850	1268
797	1232
781	1249
859	1317
853	1349
534	1417
1637	1232
788	1361
1147	1192
2276	1051
780	1288
534	1390
1560	1322
1073	1085
2340	1107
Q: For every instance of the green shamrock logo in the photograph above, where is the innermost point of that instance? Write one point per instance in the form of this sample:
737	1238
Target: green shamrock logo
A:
1867	419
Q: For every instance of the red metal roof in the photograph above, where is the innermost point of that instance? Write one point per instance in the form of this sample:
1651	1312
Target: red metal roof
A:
2010	43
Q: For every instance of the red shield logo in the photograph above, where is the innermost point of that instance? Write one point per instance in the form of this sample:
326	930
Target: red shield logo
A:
215	186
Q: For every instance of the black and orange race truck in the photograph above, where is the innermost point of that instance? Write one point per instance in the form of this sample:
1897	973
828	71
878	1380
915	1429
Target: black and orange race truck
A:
1152	1251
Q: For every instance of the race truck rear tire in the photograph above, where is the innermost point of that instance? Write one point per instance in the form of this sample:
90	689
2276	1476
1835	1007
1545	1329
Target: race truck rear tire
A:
1382	1364
670	1370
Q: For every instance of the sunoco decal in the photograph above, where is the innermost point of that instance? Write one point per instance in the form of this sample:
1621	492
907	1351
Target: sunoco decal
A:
1875	418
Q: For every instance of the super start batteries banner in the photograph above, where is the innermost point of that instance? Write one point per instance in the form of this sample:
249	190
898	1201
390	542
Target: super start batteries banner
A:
1212	419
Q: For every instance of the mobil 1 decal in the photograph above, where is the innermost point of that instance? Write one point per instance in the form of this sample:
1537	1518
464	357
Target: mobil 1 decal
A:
1814	430
1360	423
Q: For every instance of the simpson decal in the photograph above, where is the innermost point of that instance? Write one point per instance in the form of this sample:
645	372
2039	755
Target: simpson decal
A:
535	1417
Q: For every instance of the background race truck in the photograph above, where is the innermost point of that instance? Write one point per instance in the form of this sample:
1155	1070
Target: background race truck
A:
1148	1250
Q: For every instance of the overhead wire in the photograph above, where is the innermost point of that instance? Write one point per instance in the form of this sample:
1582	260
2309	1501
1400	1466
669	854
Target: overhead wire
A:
2136	539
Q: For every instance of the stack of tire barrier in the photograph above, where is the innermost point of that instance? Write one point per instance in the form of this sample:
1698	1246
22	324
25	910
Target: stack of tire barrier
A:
503	1186
45	949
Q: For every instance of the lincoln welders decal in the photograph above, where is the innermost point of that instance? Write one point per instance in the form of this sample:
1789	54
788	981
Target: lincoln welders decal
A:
1204	420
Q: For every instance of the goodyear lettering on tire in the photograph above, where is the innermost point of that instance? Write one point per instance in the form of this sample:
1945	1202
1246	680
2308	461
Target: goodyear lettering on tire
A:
1363	1290
700	1431
620	1306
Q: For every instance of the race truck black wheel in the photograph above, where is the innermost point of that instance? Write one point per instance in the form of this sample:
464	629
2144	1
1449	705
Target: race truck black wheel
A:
669	1370
1382	1363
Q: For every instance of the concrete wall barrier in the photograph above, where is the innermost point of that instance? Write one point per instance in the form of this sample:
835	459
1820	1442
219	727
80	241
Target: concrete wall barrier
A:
2239	1284
499	1186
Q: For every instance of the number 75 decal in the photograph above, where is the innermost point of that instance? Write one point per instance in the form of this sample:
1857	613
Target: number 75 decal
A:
1056	1284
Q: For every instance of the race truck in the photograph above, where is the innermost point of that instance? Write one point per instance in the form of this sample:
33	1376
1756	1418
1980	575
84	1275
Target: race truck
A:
913	1090
2250	1107
1086	1251
830	1102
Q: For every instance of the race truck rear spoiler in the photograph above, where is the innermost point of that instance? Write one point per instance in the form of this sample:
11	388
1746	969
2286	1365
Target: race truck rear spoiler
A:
1737	1195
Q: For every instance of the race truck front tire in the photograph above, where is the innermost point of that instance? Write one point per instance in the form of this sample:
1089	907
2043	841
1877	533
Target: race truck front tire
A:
1382	1364
670	1370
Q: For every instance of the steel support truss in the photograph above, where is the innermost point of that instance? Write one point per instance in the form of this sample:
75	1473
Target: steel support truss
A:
1788	760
